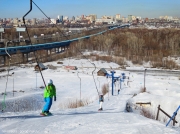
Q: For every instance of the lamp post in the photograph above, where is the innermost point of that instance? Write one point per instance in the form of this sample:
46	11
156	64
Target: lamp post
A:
80	86
36	79
144	78
13	83
1	31
20	30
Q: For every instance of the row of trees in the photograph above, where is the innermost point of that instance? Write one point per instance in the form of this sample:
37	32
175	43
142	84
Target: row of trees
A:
137	45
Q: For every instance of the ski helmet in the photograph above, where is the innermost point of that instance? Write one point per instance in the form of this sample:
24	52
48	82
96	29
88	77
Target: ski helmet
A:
50	81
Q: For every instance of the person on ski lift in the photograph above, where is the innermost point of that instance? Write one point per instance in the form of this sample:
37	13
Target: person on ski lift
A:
49	93
101	100
118	91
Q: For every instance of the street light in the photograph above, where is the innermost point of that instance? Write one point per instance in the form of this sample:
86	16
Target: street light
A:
1	31
20	30
144	79
36	79
80	86
13	83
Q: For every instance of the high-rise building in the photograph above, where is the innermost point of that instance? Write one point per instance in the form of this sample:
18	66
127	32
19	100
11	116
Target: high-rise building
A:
129	17
34	21
61	19
4	20
73	18
58	17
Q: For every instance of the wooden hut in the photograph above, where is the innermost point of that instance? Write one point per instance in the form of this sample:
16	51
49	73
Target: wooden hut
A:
102	72
41	66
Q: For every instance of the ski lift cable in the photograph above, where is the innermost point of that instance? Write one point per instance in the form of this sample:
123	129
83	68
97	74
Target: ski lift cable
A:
3	102
68	39
31	41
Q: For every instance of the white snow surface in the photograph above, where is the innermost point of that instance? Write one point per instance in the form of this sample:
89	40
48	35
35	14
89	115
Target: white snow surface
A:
22	112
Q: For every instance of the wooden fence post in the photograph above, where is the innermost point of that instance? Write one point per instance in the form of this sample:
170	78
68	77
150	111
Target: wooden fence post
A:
157	113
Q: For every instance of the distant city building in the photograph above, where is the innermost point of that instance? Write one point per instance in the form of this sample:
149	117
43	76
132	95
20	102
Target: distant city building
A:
112	18
73	18
57	21
169	18
78	18
118	17
165	17
58	17
34	21
129	17
92	17
82	16
15	22
20	19
4	20
106	17
138	17
8	19
61	18
66	18
133	18
124	19
103	21
161	17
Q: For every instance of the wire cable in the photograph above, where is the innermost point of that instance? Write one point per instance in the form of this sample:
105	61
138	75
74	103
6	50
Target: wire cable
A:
31	41
68	39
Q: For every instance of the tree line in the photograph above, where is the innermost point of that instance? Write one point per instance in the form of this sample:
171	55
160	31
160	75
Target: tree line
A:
137	45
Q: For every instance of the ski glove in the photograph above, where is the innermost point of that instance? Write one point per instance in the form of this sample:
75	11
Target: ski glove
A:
54	98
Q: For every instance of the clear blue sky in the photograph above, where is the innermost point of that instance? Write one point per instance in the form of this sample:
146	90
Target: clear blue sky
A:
143	8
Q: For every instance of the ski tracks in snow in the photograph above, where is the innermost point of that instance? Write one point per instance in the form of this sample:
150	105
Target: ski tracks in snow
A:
87	120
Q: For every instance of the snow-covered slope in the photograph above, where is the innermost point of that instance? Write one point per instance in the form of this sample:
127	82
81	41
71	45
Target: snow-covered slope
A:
113	119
